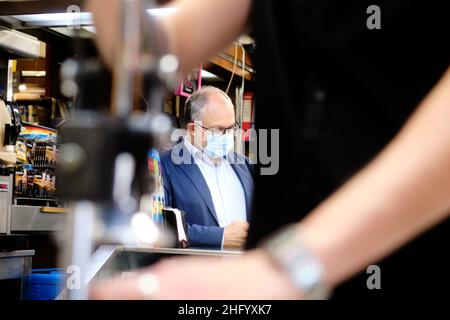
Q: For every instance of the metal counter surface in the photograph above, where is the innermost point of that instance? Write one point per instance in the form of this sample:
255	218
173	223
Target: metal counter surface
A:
18	253
109	258
188	251
113	260
17	265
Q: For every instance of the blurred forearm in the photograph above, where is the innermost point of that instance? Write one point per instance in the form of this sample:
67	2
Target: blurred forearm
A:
106	21
199	28
403	192
196	30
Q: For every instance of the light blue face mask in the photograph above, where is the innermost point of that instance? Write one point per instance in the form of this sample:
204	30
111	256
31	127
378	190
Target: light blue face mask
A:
218	147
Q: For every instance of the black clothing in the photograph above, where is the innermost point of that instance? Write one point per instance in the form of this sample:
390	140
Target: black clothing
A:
339	92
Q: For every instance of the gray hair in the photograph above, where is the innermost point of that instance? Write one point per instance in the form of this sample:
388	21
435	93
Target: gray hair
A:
196	103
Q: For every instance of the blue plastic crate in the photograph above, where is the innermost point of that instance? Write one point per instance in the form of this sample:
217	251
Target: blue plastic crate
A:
46	284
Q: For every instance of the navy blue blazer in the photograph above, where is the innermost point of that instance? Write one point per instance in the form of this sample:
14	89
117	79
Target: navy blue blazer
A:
186	189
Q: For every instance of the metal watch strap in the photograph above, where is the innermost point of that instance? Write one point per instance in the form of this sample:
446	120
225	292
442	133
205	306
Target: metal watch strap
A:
288	253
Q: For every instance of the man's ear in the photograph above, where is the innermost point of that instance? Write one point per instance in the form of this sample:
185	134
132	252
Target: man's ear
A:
190	128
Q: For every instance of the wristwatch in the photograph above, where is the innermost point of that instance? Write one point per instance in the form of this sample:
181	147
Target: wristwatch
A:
287	251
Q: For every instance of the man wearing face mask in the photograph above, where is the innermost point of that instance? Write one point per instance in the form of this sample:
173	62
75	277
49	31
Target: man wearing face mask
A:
204	177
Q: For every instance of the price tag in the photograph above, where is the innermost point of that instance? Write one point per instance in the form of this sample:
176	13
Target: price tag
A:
4	187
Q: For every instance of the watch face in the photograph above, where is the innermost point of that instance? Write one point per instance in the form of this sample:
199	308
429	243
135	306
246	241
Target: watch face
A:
288	252
308	273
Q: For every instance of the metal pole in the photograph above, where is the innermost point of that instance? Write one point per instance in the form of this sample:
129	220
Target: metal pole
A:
127	57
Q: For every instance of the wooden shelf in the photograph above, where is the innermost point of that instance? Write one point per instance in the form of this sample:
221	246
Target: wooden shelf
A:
222	64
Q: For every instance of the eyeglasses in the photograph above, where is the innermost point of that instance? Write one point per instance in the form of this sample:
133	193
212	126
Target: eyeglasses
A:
217	132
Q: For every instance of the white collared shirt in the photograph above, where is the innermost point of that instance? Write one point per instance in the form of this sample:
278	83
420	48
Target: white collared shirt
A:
224	185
